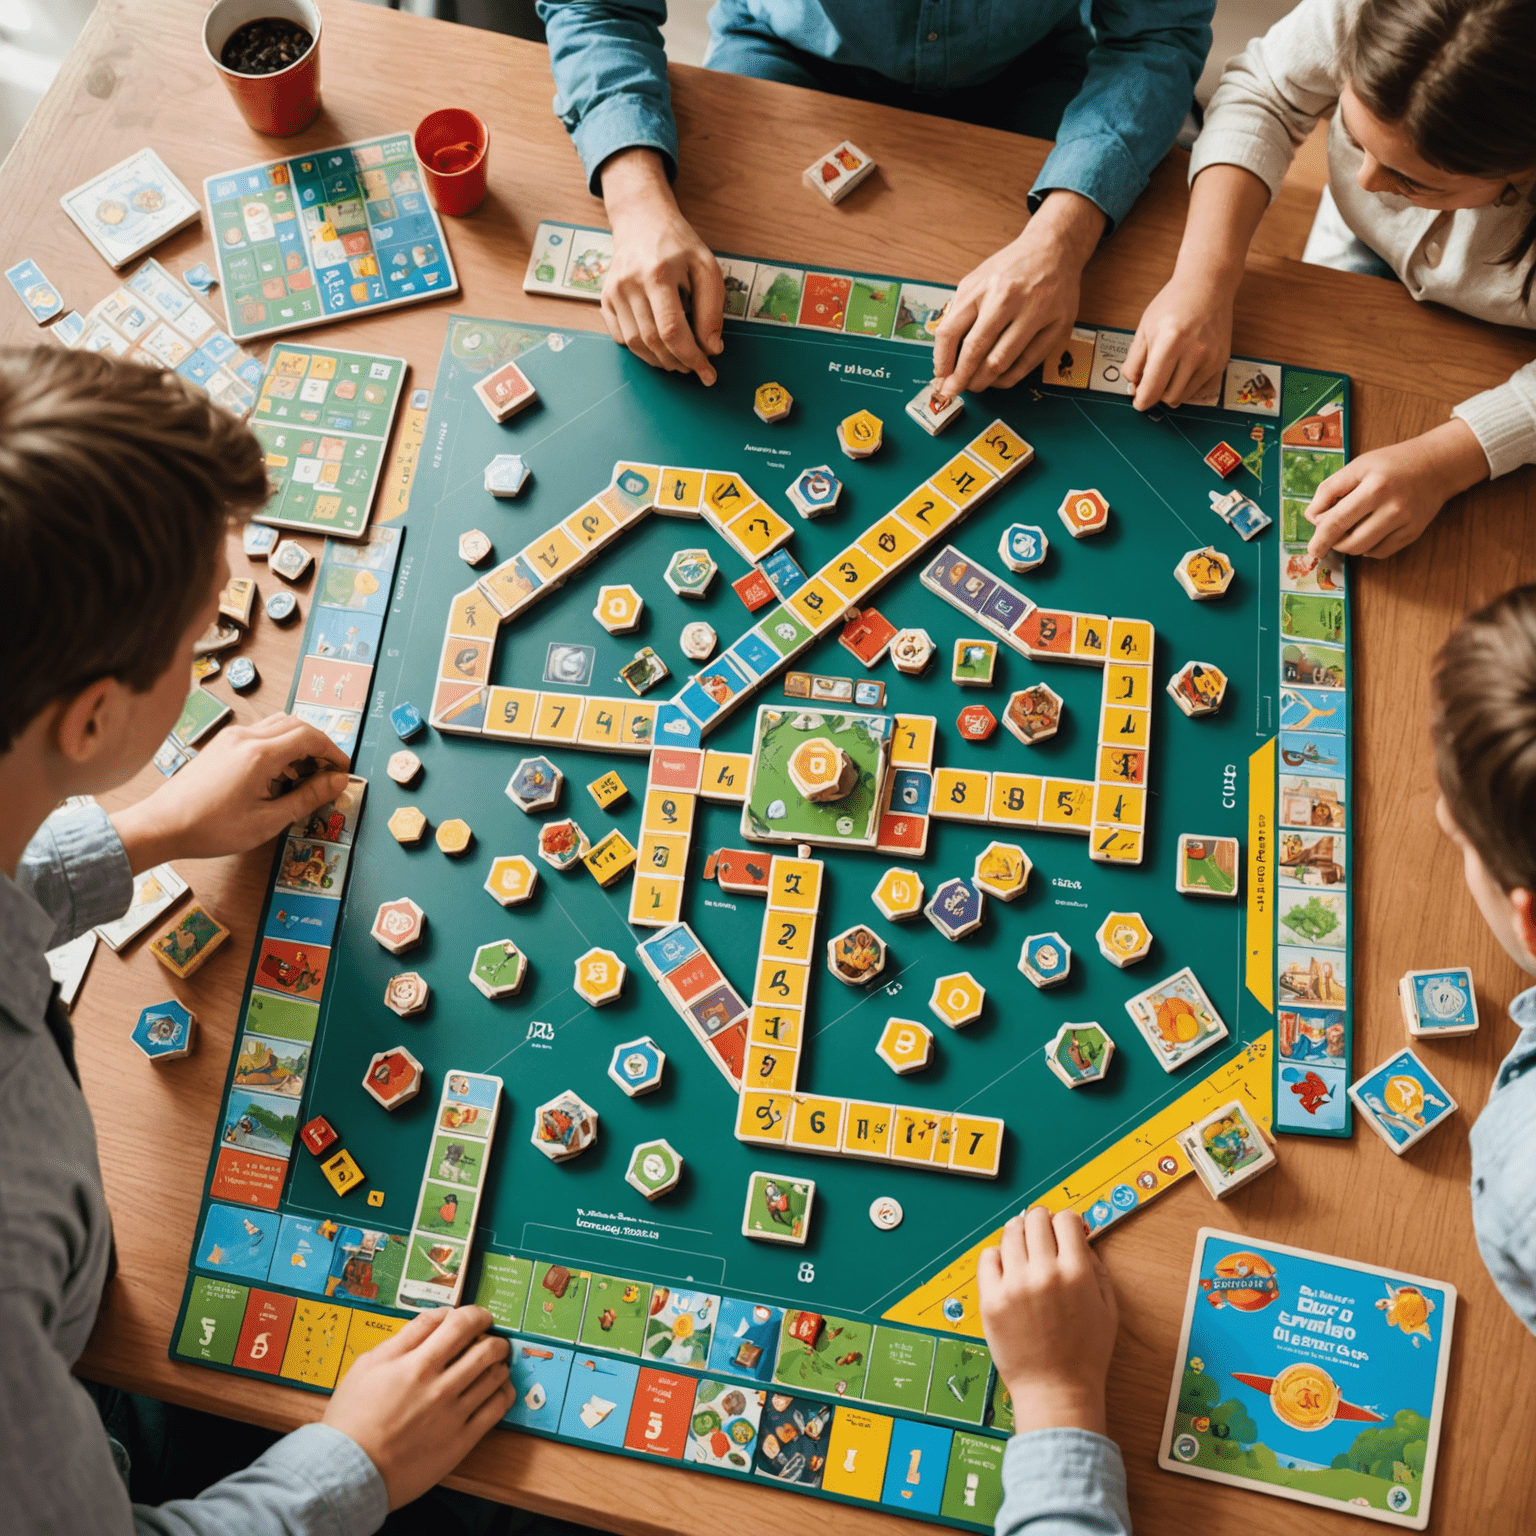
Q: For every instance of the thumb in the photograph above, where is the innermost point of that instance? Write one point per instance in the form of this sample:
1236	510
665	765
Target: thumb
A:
320	787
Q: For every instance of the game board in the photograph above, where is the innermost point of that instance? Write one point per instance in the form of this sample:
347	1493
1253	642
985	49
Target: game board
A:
659	1328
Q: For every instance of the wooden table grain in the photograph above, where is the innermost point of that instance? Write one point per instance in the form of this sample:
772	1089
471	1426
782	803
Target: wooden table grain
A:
137	76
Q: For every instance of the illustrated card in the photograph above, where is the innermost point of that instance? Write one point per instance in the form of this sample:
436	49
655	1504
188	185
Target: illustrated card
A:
723	1430
34	290
746	1339
237	1241
157	890
1176	1019
792	1446
681	1325
1310	1378
776	294
616	1315
823	1354
598	1400
131	207
312	867
1403	1100
919	308
540	1375
1440	1002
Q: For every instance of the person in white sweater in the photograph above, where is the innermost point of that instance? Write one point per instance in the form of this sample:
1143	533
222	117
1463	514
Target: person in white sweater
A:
1432	165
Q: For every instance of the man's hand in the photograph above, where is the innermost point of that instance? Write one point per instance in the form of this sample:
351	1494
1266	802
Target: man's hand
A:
1020	304
1382	501
658	260
222	801
420	1402
1183	342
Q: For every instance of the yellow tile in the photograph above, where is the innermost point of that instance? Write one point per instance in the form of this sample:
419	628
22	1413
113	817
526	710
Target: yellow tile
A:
655	900
867	1129
607	790
639	726
1115	845
817	1122
857	1452
472	616
366	1330
1118	806
851	574
788	935
558	717
817	605
1126	685
342	1172
650	473
1130	640
914	1135
926	512
977	1145
771	1067
510	713
763	1117
776	1026
589	527
889	541
795	883
621	508
960	794
1066	805
1015	799
465	661
780	982
553	553
663	853
725	495
912	741
601	722
315	1343
759	530
667	810
1124	728
1001	449
611	857
511	585
943	1141
1117	765
963	480
680	490
725	776
1090	636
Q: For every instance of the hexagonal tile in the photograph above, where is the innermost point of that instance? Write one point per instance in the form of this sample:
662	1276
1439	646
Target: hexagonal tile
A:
393	1078
654	1168
498	969
899	894
1046	958
638	1066
1084	512
562	844
814	492
911	651
406	719
407	824
1002	870
1124	938
454	836
856	955
506	474
1203	573
474	547
564	1126
1033	714
772	402
1022	547
618	609
1080	1053
975	722
407	994
599	977
165	1031
399	925
1198	688
975	661
905	1046
822	771
861	434
956	908
535	785
958	999
404	767
690	572
512	879
698	640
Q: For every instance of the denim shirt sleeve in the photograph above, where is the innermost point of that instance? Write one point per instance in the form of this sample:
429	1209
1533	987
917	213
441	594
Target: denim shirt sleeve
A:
1141	78
610	70
1063	1482
76	871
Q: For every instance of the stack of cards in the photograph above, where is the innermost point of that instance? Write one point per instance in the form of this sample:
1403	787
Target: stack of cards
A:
126	210
155	892
836	174
184	946
1240	513
1401	1101
505	391
933	411
1227	1149
1438	1003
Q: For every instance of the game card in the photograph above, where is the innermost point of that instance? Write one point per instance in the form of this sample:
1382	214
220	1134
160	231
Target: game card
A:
34	290
131	207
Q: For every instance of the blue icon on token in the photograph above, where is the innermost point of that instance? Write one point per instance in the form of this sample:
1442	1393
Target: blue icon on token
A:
1123	1197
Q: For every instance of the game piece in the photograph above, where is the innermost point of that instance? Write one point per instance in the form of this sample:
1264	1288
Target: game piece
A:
1224	459
407	825
237	599
318	1135
200	278
1402	1101
1243	515
165	1031
958	999
155	892
399	925
184	947
404	767
1438	1004
290	560
1022	547
498	969
956	909
856	956
567	665
599	977
783	574
1198	688
376	1197
407	994
342	1173
610	858
975	722
406	720
738	871
754	589
1079	1053
637	1066
394	1077
618	609
1207	866
778	1209
886	1213
204	667
1176	1019
868	635
1226	1148
474	547
201	715
1046	958
654	1168
697	641
1124	938
564	1127
505	391
282	607
974	663
535	785
933	411
242	674
512	879
608	791
1204	573
454	837
68	329
911	651
821	771
771	402
127	209
506	475
814	492
562	844
1003	870
1033	714
35	291
258	541
644	672
690	572
899	895
220	637
905	1046
1084	512
860	435
838	172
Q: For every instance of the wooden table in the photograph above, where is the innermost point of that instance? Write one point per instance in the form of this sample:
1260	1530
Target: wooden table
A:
137	76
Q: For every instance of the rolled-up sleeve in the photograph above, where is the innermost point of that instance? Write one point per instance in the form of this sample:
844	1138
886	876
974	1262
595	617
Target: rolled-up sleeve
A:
1063	1482
610	69
75	869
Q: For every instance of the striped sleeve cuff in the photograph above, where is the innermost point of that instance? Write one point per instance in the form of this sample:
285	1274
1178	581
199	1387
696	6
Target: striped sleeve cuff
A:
1503	420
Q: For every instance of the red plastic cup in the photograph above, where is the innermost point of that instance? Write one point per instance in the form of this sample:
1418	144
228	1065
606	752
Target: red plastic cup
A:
452	145
279	104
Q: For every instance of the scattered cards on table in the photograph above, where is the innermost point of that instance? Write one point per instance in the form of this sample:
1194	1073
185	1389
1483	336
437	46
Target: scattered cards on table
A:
128	209
156	891
34	290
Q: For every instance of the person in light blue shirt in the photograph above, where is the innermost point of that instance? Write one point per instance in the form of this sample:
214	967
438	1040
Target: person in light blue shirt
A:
1109	80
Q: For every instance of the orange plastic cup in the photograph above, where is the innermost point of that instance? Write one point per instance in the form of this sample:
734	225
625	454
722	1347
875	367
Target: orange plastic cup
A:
287	101
452	145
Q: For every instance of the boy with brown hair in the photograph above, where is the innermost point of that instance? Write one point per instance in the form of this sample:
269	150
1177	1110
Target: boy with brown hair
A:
117	487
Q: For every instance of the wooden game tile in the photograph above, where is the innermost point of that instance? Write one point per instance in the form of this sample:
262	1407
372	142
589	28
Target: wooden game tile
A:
511	587
590	527
763	1117
473	615
602	722
636	482
965	480
1015	799
680	491
867	1130
1127	684
780	982
1066	805
510	712
851	574
1001	449
458	708
655	901
661	854
926	512
1045	632
557	718
977	1146
552	553
1090	637
773	1067
725	495
890	543
961	794
816	1123
1125	727
1118	805
316	1339
795	884
901	832
912	741
725	776
943	1140
638	730
1130	640
680	768
788	936
620	508
1115	845
667	810
462	661
817	606
1121	765
914	1135
770	1025
757	531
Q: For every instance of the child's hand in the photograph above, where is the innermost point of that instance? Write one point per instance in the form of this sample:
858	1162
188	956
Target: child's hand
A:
1182	343
419	1402
1048	1309
1382	501
221	802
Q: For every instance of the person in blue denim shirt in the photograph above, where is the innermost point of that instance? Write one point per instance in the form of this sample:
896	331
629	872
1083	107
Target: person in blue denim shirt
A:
1109	80
1484	726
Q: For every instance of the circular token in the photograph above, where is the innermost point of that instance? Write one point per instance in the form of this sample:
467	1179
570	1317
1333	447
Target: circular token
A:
403	766
886	1213
242	674
281	607
698	641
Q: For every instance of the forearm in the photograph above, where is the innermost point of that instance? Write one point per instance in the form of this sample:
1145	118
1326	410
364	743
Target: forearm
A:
1069	225
1225	206
635	185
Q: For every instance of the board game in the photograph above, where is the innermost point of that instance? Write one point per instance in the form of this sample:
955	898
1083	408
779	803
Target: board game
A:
759	960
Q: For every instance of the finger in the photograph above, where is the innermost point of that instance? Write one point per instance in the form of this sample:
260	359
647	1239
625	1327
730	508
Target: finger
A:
958	319
1071	1244
483	1385
1012	1252
989	1272
971	366
1209	383
673	333
1036	353
488	1350
1340	518
1373	535
1039	1237
489	1414
629	331
291	739
415	1332
1003	353
1156	372
1177	391
643	308
609	311
317	790
706	287
1134	359
1335	488
460	1329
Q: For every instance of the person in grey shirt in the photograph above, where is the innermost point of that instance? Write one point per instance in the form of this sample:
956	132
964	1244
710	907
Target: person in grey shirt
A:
117	485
